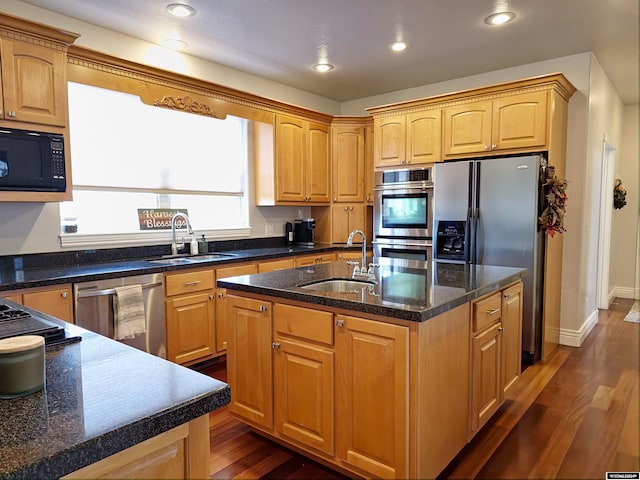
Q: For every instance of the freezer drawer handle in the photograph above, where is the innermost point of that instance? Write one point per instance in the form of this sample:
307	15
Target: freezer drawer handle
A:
110	291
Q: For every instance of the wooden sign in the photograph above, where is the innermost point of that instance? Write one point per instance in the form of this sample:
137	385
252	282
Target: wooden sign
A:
160	218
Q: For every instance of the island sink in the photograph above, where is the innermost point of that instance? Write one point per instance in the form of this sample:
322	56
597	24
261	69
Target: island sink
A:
340	285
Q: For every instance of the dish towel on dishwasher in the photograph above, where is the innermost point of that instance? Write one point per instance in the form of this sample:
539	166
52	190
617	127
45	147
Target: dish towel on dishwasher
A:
128	312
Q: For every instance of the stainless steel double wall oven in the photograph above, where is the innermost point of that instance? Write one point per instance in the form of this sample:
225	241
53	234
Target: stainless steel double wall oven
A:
403	213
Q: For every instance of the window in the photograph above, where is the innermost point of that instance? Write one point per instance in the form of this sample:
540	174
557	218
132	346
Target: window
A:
128	156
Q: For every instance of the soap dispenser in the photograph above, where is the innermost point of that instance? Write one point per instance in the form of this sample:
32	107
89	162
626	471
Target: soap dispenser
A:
203	247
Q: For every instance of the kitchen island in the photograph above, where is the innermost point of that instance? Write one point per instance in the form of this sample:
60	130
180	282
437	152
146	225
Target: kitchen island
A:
389	378
109	409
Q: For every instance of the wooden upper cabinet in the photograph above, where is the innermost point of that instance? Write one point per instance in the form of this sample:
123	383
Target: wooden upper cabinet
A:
389	141
34	86
507	123
467	128
348	163
317	165
424	142
301	162
413	138
290	153
520	121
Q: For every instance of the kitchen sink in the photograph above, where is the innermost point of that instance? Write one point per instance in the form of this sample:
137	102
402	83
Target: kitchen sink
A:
339	285
188	259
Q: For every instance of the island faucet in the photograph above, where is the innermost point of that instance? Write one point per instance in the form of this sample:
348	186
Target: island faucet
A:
174	245
363	268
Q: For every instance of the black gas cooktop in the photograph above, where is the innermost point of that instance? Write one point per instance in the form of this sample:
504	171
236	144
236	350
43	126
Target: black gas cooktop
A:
16	321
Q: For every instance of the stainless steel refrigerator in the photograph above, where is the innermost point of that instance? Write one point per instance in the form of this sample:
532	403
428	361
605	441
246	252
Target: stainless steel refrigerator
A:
486	212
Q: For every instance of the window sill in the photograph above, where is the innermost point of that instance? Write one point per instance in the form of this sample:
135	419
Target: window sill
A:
106	240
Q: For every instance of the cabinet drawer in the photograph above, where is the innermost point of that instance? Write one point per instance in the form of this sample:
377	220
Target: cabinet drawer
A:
303	323
487	311
189	282
246	269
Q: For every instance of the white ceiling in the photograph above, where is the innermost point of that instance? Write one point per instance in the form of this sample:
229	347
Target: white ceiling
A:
281	39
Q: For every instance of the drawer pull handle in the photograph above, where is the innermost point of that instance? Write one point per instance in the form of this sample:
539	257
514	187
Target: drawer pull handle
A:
492	312
195	282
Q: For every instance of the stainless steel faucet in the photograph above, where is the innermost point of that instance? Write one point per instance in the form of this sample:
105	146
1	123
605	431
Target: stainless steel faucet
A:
174	245
363	268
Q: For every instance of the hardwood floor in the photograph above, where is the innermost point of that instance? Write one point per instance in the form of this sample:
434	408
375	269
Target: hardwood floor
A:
575	416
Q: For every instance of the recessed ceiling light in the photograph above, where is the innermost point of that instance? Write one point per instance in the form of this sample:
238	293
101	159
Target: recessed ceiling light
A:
174	43
499	18
398	46
181	10
322	67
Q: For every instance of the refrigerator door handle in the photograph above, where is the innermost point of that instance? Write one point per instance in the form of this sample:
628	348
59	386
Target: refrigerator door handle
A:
468	248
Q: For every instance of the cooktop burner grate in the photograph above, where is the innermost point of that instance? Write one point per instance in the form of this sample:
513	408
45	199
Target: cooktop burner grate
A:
14	322
8	313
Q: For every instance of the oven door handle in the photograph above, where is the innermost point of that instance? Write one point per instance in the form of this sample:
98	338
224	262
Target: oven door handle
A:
407	244
421	188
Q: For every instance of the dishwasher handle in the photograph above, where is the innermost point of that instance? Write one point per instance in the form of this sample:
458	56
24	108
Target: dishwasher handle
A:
109	291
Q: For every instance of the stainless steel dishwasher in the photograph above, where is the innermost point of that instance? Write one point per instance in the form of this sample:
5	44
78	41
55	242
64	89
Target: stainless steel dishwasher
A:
94	310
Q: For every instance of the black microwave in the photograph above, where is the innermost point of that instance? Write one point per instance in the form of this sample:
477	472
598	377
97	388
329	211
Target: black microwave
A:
32	161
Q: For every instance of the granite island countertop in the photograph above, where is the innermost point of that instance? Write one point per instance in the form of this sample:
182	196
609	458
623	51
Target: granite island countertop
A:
101	397
403	289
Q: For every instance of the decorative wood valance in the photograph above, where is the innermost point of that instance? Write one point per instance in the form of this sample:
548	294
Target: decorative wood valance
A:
171	90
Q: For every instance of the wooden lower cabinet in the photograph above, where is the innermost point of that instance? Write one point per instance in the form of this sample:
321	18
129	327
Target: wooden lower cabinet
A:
303	376
221	321
373	398
511	337
190	310
56	301
372	388
249	359
182	452
496	350
486	393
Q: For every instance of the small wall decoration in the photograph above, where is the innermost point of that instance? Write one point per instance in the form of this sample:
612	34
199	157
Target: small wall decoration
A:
619	194
160	218
555	194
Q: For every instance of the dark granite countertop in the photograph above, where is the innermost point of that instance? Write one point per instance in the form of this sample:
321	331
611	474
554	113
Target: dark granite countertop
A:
15	274
404	289
101	397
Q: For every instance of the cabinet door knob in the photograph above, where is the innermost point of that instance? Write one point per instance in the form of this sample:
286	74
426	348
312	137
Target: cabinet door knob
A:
64	294
275	346
220	294
486	147
263	308
501	329
507	296
11	113
212	297
339	323
493	146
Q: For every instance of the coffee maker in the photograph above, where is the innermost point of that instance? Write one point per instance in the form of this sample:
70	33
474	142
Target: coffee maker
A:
304	231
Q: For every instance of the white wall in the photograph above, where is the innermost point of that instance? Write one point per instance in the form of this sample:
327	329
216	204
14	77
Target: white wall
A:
624	228
580	260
